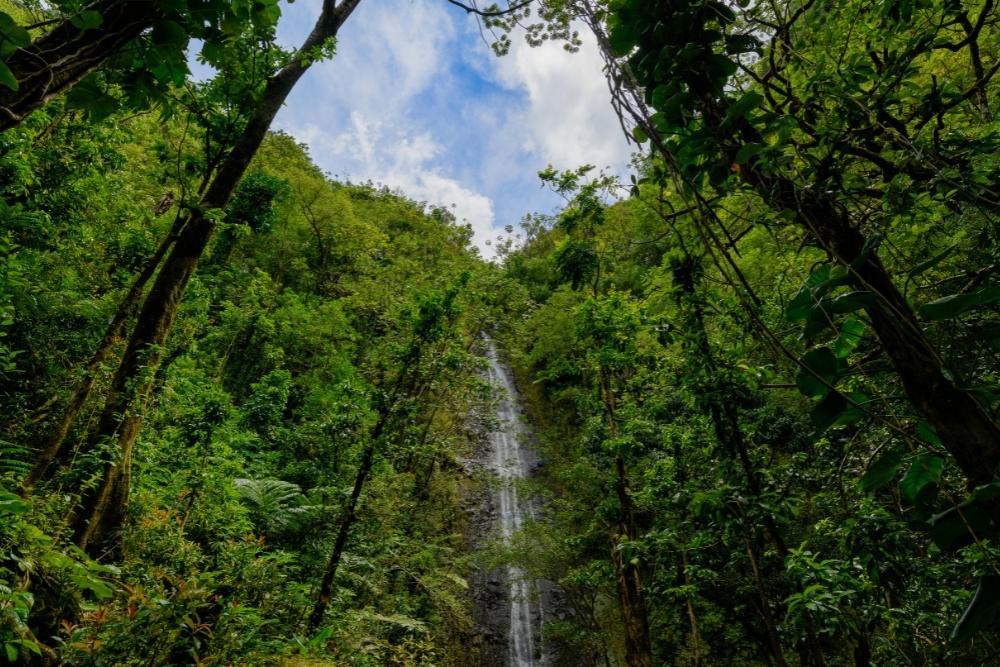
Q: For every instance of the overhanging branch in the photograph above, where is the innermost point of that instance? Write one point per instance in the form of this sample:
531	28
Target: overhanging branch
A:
490	13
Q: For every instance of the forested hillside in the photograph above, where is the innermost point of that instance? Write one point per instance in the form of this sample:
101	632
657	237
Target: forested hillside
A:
253	414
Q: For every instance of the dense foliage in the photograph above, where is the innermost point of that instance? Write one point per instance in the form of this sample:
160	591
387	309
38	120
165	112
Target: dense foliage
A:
310	306
239	397
780	344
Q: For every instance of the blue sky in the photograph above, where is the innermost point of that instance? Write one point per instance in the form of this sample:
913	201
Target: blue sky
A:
414	99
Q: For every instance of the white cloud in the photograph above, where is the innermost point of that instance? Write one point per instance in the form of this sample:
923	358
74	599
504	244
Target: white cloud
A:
388	155
568	115
416	103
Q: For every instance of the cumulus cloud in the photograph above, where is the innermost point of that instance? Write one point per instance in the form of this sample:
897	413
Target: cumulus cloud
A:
568	116
414	100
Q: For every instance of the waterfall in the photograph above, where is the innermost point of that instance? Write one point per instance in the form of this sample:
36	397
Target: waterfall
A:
510	461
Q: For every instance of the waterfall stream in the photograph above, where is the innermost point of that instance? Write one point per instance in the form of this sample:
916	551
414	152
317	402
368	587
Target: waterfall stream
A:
511	461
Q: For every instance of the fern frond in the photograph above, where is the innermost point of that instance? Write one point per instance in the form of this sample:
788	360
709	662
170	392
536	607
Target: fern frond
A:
275	505
14	458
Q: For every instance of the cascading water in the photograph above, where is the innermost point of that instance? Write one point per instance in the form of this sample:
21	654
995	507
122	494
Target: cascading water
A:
510	461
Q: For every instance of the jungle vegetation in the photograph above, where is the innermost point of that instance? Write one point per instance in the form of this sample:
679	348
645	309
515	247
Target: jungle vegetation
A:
237	394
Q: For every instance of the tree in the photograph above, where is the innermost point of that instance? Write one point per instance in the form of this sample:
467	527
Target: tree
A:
102	510
81	40
706	130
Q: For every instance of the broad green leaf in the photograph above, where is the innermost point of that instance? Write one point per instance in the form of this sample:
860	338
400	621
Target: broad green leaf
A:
7	77
851	332
11	503
920	483
836	410
723	13
956	304
817	285
828	411
881	472
737	44
742	107
926	433
748	151
89	96
950	530
825	369
850	302
932	262
169	33
11	32
622	37
719	67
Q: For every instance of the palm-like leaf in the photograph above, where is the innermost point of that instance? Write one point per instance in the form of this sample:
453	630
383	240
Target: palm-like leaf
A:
275	505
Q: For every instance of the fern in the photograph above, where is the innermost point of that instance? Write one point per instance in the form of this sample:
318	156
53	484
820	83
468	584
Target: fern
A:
14	458
275	505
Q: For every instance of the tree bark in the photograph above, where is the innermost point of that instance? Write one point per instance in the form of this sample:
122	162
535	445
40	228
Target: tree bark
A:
54	448
102	509
726	426
965	427
963	424
638	647
350	514
61	57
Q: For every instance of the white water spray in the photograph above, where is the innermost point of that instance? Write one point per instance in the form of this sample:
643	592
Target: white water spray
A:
509	463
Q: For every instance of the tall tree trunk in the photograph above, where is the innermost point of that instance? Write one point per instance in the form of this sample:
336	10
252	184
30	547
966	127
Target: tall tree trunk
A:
102	508
638	647
346	521
966	428
54	448
61	57
726	426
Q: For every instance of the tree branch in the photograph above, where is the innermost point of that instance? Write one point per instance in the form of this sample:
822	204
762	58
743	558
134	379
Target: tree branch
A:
490	13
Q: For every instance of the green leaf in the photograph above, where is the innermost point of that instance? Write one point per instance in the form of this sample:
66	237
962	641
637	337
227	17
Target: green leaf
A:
950	530
932	262
89	96
851	332
817	285
881	472
741	108
719	68
11	503
622	37
87	20
920	483
827	412
926	433
214	52
661	94
724	13
982	611
639	135
956	304
12	32
824	366
11	650
747	151
850	302
169	33
7	77
737	44
836	410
